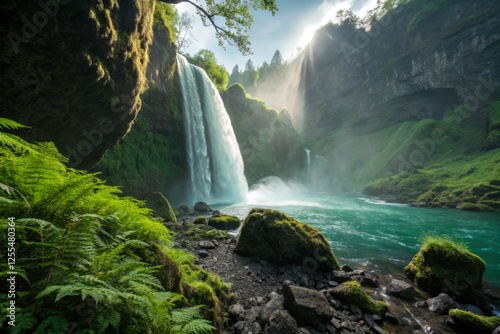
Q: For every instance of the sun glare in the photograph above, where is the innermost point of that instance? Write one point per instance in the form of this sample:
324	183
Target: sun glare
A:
306	37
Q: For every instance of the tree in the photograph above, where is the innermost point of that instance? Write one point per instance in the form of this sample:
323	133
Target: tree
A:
237	19
235	76
277	59
217	73
183	27
250	75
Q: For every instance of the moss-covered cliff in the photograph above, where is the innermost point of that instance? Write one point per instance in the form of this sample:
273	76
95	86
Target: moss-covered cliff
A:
74	70
152	156
269	144
411	103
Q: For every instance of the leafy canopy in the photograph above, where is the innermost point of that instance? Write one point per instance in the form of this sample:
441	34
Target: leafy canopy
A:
236	17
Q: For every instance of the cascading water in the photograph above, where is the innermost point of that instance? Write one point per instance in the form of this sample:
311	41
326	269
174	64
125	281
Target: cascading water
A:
214	158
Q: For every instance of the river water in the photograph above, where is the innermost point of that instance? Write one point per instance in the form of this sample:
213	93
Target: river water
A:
366	232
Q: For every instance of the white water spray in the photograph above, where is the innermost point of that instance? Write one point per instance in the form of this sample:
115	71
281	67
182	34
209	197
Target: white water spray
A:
215	163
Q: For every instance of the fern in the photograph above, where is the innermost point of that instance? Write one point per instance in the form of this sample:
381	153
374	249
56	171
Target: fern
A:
55	324
82	244
188	320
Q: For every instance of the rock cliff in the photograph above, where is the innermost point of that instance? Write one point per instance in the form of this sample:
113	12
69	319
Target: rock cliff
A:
74	70
414	63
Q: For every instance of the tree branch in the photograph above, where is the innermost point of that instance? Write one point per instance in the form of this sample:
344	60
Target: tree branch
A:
218	30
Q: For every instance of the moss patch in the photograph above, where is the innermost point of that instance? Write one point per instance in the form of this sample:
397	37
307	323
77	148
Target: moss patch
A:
224	222
276	237
469	322
352	293
161	206
442	265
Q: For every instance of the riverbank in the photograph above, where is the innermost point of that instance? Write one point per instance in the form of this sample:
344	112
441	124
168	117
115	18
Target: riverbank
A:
259	285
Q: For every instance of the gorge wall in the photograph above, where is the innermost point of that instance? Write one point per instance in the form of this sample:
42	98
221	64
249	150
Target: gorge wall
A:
152	156
75	71
419	61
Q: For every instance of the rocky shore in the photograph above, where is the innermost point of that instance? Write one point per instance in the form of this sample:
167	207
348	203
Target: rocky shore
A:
274	299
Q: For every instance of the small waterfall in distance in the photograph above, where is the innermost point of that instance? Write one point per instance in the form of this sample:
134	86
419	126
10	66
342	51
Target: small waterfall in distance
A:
214	158
314	173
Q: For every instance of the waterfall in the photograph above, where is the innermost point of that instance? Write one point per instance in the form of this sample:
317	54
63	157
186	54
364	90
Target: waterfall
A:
315	173
308	154
214	158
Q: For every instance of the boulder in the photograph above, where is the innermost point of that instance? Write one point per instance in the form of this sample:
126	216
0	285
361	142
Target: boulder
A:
224	222
444	266
353	293
275	237
161	206
200	221
496	331
275	303
340	276
400	289
467	322
183	209
281	322
307	306
236	311
201	207
440	304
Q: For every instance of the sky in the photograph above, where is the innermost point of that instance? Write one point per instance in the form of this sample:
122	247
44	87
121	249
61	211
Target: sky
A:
291	27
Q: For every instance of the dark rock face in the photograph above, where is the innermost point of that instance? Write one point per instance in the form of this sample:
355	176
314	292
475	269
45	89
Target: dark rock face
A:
152	155
391	75
269	143
307	306
73	71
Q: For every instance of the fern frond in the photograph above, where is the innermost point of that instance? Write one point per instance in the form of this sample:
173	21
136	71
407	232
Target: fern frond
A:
52	325
186	314
8	124
198	326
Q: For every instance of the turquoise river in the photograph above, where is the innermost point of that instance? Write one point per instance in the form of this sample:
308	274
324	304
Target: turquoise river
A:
366	232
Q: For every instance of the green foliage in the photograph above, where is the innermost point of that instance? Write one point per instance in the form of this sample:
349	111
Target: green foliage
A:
217	73
236	16
352	293
166	16
468	322
443	265
83	249
276	237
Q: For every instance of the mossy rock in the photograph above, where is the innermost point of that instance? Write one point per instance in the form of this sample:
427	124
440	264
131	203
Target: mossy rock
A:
183	209
491	204
273	236
468	322
161	206
352	293
442	265
200	221
201	207
224	222
474	207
